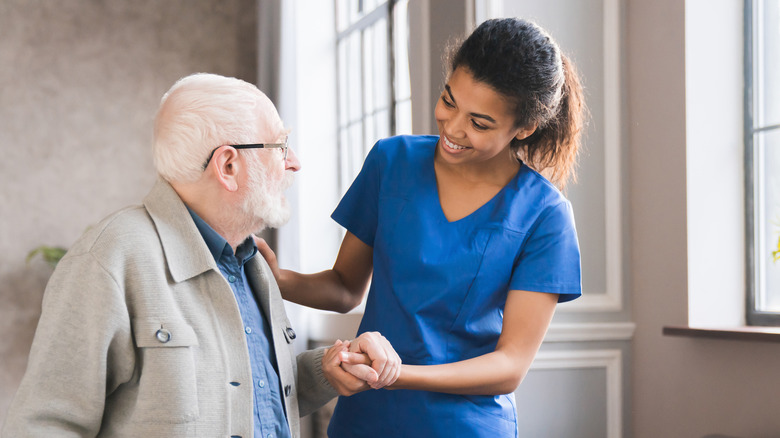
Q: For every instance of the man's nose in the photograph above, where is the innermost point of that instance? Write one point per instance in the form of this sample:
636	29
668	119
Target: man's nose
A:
292	163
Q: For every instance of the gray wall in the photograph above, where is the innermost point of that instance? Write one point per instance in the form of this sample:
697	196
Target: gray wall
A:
80	81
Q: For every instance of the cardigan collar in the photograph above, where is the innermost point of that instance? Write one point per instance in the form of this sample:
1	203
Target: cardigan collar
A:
185	250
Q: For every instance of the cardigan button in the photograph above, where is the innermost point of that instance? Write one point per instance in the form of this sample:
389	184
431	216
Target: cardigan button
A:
290	333
163	335
287	390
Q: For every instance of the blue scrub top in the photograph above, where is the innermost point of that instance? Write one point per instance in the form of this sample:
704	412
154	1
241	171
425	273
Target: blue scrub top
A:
439	287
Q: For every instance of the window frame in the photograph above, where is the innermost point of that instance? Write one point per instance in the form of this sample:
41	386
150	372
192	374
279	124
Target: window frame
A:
384	9
752	128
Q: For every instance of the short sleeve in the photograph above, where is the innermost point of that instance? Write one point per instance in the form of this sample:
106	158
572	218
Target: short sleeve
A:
550	259
359	208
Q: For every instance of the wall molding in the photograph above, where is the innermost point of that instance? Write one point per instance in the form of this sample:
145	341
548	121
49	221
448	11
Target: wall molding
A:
590	332
612	299
328	326
610	360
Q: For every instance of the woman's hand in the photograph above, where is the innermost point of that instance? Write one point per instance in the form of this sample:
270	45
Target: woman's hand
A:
376	349
268	255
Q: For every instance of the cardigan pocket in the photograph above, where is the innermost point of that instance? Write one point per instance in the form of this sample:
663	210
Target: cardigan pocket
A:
167	383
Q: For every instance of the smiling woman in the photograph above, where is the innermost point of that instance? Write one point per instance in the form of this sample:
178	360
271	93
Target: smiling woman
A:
467	249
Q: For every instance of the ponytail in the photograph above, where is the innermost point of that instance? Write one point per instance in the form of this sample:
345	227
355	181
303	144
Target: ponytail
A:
552	150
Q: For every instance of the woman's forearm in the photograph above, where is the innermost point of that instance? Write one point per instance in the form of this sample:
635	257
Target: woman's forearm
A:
339	289
526	318
491	374
324	290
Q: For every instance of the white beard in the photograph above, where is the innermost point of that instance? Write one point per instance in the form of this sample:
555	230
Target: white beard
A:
265	205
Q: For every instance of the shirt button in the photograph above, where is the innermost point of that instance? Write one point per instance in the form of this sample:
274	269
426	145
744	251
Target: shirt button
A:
248	330
232	278
261	383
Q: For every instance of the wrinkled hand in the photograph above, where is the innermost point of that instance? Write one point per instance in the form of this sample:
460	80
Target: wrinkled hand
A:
383	359
268	255
347	383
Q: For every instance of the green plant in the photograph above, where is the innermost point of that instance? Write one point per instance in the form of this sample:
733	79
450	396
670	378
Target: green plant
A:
50	254
776	254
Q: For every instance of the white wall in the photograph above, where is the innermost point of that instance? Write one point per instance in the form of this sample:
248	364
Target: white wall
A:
714	97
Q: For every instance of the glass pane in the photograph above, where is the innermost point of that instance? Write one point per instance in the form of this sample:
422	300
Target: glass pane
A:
370	125
768	219
382	125
379	59
370	5
355	78
345	171
355	8
369	75
355	149
768	71
343	83
401	46
403	117
342	14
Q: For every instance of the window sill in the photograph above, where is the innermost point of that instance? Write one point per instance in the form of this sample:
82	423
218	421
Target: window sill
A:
742	333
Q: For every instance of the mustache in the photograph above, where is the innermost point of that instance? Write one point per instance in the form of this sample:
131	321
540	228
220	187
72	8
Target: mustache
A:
287	181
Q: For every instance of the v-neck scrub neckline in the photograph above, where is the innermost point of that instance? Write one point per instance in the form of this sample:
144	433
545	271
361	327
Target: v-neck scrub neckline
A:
429	173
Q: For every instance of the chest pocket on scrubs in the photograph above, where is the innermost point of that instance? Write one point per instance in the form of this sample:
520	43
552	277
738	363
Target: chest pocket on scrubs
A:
431	264
390	208
480	319
167	387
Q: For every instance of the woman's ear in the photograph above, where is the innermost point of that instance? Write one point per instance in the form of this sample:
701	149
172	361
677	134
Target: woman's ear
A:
226	167
526	132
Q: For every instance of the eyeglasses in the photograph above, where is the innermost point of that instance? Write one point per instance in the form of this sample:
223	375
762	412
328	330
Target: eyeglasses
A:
282	146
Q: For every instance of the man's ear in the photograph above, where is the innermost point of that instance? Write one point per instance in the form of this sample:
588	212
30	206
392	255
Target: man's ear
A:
226	166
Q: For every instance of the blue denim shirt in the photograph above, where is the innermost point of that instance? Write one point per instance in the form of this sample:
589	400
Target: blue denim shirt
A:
269	415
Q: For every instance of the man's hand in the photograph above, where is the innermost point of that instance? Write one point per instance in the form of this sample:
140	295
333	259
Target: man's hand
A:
383	359
347	383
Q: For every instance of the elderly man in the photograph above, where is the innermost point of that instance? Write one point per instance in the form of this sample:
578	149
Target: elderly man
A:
162	321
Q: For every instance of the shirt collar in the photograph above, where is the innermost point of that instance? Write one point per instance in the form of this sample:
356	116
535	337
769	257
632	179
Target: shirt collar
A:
218	246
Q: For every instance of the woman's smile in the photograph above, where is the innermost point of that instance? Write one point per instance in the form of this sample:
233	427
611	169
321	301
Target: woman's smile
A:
449	144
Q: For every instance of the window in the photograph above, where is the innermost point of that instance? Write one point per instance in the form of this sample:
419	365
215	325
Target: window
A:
374	92
762	156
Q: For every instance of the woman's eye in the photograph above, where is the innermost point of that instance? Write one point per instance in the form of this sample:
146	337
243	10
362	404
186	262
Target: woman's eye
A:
447	103
477	126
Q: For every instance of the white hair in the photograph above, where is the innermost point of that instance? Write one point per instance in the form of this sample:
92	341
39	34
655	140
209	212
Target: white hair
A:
202	112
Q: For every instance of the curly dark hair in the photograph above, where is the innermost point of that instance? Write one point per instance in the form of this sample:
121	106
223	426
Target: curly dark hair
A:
520	60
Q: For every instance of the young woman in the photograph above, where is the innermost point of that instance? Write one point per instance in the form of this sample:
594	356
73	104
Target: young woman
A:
467	247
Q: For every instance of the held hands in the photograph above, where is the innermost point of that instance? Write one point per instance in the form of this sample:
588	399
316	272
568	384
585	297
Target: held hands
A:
381	356
366	362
